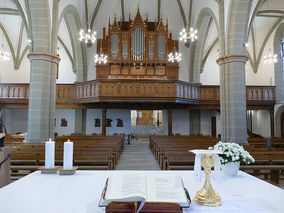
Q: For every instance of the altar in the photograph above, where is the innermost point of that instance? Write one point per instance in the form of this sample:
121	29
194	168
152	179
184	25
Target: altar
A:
80	193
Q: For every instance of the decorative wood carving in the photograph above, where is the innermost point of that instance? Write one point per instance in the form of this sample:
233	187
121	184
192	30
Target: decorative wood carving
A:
63	122
119	123
133	90
97	122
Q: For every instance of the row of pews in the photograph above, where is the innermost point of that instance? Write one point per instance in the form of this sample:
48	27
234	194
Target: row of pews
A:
172	153
90	153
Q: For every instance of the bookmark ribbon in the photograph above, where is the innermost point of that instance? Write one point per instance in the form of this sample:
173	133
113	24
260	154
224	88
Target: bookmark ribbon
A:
136	207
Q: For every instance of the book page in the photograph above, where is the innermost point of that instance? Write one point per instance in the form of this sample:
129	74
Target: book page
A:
166	189
126	186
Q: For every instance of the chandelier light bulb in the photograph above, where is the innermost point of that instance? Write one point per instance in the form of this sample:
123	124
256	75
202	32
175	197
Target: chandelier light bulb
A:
101	58
87	37
4	56
188	35
174	56
270	59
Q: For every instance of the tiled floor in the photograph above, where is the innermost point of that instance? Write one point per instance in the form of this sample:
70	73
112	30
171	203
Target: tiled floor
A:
137	156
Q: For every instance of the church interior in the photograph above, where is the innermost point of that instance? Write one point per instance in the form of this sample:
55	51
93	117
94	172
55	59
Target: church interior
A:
135	84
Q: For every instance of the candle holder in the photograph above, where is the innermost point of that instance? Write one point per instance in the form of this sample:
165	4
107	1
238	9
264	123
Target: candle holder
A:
48	170
72	171
207	196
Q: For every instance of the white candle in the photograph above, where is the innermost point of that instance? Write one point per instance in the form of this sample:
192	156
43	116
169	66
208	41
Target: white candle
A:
49	154
68	155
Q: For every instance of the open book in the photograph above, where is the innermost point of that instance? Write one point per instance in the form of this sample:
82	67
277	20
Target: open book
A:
138	187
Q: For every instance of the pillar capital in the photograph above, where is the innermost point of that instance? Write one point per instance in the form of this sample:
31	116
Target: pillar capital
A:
219	1
232	58
44	57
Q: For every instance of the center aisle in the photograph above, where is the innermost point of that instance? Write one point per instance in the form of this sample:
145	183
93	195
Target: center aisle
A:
137	156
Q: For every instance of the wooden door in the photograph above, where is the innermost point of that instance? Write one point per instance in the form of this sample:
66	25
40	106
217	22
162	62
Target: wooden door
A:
282	124
213	127
145	117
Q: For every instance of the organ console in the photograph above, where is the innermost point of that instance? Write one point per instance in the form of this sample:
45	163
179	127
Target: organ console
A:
137	49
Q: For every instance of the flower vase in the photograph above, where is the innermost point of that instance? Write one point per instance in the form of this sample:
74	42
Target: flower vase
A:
231	168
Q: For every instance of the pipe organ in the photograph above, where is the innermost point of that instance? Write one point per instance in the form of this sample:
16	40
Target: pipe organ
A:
137	49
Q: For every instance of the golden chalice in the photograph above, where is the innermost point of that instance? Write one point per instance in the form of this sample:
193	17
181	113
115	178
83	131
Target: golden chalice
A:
206	196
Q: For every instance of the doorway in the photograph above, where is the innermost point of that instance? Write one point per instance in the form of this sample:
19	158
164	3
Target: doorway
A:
145	123
282	124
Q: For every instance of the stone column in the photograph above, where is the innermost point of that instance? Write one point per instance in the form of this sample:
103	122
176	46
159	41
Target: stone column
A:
42	97
233	109
44	67
232	70
278	67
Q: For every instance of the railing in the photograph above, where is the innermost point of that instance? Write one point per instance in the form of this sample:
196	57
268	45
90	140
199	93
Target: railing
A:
134	91
261	93
253	93
129	90
209	93
64	92
14	91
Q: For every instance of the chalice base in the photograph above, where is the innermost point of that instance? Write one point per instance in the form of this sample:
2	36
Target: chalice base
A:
207	198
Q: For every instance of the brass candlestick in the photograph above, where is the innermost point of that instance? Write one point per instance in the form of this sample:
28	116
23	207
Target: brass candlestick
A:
206	196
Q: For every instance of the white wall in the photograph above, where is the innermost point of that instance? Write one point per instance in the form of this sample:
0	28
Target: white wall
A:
65	70
123	114
211	73
92	114
67	114
181	122
205	122
261	123
7	72
15	120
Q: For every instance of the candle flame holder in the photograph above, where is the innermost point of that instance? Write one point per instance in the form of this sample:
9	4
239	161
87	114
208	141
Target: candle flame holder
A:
45	170
207	196
72	171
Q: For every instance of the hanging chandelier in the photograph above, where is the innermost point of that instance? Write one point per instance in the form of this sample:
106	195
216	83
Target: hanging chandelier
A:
270	58
88	37
4	56
174	56
100	58
187	35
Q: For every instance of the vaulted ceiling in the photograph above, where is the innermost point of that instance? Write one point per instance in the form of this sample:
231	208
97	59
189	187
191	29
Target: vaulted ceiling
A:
14	21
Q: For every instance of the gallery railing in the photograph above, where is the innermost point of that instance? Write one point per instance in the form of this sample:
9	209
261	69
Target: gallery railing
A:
136	90
112	90
253	93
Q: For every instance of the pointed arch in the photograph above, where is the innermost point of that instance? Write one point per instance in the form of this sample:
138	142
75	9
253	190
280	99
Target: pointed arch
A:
72	19
9	43
204	20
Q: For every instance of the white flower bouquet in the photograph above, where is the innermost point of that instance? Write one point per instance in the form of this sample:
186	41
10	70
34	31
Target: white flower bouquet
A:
232	152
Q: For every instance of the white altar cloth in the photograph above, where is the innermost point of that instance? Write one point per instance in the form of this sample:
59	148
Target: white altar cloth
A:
80	193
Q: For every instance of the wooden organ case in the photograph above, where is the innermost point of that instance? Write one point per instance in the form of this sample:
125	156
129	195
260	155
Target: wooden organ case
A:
137	49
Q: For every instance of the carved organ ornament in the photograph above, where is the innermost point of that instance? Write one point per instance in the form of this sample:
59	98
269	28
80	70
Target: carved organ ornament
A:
137	49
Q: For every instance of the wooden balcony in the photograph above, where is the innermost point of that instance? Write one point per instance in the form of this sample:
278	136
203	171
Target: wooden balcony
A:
257	96
136	91
115	90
